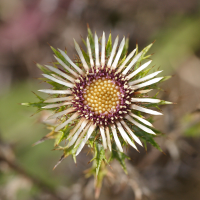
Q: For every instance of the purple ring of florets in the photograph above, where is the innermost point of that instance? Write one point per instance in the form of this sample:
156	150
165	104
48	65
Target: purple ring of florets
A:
94	74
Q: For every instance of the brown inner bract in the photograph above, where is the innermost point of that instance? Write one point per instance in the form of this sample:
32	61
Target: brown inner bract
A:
102	96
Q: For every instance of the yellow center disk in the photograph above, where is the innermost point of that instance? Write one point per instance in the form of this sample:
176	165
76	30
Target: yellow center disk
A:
102	96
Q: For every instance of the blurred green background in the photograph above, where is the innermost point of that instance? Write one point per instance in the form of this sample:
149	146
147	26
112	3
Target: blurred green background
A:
26	29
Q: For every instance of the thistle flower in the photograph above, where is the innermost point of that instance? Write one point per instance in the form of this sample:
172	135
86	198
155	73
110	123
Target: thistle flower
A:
100	98
101	95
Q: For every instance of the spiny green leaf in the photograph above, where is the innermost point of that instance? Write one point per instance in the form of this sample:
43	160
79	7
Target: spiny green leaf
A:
67	151
109	46
142	74
38	105
39	97
44	69
142	56
84	42
164	102
156	105
148	138
58	138
56	86
91	40
146	57
71	151
59	55
116	154
100	156
66	131
125	49
145	144
86	56
145	136
165	78
122	60
136	52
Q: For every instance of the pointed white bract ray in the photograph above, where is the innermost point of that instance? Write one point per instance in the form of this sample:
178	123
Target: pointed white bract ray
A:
48	91
131	133
53	69
119	53
146	110
121	130
143	91
125	136
146	100
96	50
82	134
116	138
74	116
71	133
135	59
155	80
113	52
138	70
74	138
144	128
144	78
59	78
126	60
103	47
85	139
90	53
66	67
78	49
59	81
53	100
57	105
141	119
70	62
108	138
64	112
103	137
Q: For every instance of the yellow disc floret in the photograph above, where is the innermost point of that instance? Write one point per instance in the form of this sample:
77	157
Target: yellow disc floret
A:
102	96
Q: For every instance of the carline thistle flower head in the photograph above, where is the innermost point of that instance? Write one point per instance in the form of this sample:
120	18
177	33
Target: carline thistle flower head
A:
100	97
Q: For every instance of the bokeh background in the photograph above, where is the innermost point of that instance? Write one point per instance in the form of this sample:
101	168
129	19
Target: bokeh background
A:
27	27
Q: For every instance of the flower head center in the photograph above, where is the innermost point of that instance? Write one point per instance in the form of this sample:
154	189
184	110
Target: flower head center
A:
102	96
